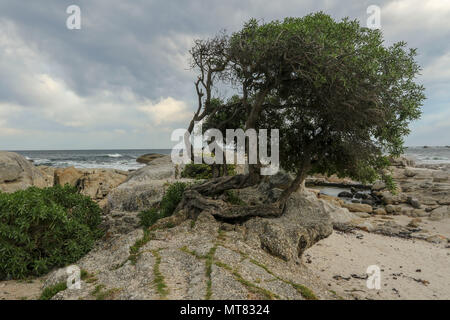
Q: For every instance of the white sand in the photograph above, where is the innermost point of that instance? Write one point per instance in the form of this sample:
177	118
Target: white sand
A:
345	254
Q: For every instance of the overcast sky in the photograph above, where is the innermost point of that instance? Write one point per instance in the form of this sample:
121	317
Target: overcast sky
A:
123	81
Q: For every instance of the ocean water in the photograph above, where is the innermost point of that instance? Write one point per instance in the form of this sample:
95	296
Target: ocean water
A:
112	159
429	155
126	159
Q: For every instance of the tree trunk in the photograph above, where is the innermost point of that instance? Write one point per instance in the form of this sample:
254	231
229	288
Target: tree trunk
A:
293	187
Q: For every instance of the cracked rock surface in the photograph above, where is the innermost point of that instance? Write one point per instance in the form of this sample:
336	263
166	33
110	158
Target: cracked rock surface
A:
206	259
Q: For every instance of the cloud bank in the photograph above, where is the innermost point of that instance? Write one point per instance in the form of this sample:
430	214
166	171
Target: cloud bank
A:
123	81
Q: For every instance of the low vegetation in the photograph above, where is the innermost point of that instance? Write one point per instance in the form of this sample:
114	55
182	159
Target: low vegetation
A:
166	207
51	291
203	171
158	278
233	198
41	229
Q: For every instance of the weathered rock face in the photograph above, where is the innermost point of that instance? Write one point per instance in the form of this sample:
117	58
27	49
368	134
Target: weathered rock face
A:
402	162
143	187
304	222
358	207
140	191
422	190
17	173
201	258
63	176
95	183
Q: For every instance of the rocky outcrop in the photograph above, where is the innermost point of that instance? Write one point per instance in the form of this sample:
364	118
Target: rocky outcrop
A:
201	257
17	173
304	222
207	259
420	190
140	191
142	188
95	183
358	207
147	158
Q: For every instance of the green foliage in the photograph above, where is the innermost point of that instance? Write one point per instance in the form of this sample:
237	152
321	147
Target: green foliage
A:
340	98
197	171
208	266
390	183
167	205
101	294
158	278
348	105
203	171
51	291
149	217
45	228
171	198
232	198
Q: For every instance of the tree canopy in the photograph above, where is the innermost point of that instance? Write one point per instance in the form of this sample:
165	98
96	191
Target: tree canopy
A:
341	99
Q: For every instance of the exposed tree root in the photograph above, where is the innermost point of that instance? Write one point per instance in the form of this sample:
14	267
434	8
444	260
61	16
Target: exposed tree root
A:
219	185
195	201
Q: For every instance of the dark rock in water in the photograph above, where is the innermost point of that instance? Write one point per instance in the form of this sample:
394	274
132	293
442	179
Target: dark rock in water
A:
345	194
368	201
361	195
356	201
353	190
147	158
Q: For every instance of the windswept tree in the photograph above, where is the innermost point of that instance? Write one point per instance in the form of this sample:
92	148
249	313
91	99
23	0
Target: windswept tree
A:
340	98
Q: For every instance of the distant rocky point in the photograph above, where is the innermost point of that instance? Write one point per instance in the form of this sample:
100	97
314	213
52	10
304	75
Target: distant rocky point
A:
149	157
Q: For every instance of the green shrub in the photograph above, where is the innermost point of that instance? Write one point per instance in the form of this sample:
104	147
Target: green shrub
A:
171	198
45	228
197	171
233	198
149	217
50	292
203	171
167	205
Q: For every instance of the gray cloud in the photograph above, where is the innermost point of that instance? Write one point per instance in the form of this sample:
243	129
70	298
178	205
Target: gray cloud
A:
105	86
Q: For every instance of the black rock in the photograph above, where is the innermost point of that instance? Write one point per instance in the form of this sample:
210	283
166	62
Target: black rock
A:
345	194
361	195
368	201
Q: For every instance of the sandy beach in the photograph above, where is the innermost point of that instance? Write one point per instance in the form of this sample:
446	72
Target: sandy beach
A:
410	268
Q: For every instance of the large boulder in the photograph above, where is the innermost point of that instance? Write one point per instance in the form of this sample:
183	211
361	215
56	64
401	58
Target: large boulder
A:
144	187
402	162
304	222
95	183
63	176
17	173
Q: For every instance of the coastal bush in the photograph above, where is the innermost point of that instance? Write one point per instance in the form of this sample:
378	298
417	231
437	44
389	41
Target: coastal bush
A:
197	171
167	205
45	228
203	171
233	198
